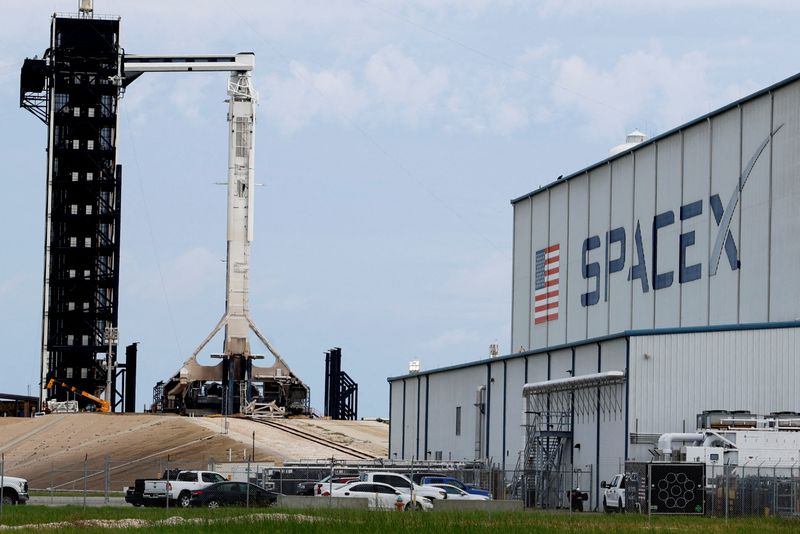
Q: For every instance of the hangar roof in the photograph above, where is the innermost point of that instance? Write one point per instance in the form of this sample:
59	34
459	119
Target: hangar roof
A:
621	335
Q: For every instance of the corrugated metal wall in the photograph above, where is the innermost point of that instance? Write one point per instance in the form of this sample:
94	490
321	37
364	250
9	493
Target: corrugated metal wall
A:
673	377
417	430
678	190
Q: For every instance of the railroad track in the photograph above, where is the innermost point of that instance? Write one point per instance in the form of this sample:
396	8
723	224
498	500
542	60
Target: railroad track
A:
360	455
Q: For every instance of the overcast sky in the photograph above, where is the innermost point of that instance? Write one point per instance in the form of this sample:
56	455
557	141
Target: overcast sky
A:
391	137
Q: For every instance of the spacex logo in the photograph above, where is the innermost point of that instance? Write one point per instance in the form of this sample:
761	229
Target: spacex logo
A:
615	244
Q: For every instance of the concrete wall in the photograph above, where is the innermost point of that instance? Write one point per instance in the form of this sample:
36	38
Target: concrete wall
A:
667	199
455	505
301	502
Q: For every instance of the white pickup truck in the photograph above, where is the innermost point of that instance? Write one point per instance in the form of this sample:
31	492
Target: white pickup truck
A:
15	490
614	494
180	489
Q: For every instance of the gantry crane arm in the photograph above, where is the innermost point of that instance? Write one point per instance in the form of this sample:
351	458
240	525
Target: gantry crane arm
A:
104	406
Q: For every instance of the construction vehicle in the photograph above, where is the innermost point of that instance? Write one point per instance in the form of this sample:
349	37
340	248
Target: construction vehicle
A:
102	405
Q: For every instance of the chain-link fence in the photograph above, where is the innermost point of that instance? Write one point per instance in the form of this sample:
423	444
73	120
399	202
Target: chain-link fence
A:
566	488
715	490
753	491
104	480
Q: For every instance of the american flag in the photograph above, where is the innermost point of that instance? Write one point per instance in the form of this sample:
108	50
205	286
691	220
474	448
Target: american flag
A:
545	300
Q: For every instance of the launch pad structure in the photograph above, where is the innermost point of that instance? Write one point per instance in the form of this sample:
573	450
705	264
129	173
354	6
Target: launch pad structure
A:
75	90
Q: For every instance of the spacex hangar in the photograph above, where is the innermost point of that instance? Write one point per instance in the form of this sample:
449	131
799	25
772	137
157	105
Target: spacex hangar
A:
648	288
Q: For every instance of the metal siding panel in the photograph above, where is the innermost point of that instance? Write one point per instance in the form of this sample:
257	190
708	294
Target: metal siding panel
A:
411	418
560	363
613	355
668	200
725	169
396	416
733	370
612	428
541	226
537	368
696	180
784	297
643	212
585	425
521	297
573	277
599	208
619	288
515	408
559	206
496	418
754	229
448	390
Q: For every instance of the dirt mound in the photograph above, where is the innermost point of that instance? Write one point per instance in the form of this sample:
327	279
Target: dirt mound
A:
58	449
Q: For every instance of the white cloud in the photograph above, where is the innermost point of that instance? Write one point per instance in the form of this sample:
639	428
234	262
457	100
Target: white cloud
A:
538	53
401	86
576	7
190	93
613	99
295	101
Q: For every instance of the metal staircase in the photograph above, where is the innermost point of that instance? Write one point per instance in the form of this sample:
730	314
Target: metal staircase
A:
549	434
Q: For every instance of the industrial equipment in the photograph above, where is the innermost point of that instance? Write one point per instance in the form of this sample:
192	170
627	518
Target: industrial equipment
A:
102	405
75	89
341	392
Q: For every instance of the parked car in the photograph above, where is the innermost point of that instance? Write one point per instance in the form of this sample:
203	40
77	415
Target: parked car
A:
614	494
459	494
403	483
175	484
457	483
324	486
232	494
381	496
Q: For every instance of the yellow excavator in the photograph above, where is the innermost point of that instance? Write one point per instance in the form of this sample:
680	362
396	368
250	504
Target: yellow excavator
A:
103	406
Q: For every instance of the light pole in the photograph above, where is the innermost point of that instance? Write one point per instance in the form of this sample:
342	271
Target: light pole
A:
111	334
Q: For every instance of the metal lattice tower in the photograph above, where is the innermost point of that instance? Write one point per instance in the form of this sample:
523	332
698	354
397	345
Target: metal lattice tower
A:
75	90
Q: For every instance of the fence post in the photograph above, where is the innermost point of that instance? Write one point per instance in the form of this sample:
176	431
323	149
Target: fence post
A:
725	494
166	487
106	479
52	483
2	480
85	476
248	480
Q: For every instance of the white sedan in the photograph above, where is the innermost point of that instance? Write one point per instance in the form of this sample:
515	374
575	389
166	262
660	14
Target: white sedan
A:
381	496
459	494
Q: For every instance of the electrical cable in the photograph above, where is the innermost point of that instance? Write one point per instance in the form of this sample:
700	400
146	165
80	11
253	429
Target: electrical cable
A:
150	228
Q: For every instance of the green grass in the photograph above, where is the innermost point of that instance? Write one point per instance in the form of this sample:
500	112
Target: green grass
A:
355	521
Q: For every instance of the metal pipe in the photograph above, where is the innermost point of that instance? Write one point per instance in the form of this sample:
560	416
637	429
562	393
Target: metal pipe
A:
665	440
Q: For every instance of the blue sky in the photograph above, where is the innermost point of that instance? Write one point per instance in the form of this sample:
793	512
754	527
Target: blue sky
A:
391	137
